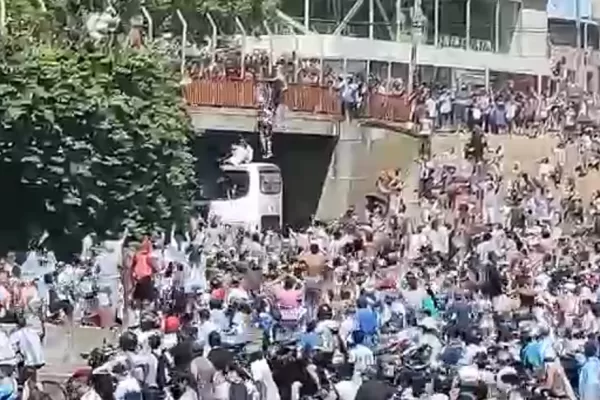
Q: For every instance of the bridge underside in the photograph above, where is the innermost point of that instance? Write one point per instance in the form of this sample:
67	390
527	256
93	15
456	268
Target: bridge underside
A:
303	159
326	165
244	120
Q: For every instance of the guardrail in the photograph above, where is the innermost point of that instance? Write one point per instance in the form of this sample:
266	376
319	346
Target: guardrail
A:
302	98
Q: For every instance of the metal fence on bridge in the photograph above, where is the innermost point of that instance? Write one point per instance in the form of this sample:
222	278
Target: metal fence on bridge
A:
301	98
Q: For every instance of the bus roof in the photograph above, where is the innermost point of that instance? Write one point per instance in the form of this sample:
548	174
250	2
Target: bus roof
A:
249	166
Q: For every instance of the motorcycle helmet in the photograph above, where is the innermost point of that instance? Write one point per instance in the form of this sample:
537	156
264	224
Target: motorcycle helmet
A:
214	339
324	312
128	341
7	392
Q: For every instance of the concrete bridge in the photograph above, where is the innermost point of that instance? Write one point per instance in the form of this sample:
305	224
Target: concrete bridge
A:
327	163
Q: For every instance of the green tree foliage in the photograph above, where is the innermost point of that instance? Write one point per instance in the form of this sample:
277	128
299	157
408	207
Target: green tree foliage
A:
93	136
252	13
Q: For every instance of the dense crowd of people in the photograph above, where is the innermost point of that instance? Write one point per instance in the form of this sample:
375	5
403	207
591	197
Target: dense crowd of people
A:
490	288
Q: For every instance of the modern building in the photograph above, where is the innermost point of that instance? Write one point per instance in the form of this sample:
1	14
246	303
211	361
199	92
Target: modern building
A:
573	34
460	39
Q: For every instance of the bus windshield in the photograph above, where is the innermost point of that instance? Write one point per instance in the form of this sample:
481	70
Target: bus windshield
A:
228	185
270	182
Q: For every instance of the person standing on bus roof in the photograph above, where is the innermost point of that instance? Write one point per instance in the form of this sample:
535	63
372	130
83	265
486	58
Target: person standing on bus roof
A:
241	153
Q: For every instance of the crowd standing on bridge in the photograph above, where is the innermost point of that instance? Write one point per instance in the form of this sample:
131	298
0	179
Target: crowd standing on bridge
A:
498	112
507	107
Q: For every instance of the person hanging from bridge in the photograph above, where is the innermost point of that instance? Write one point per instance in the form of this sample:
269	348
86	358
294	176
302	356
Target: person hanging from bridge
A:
266	114
270	97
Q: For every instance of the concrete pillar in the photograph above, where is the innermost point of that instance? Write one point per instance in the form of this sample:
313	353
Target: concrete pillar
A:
371	19
307	14
497	26
344	181
468	27
398	19
436	22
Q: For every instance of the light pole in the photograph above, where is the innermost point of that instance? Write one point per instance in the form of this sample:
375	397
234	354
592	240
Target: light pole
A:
581	75
415	34
2	17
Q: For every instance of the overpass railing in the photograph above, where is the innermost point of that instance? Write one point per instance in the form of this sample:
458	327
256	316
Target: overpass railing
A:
298	97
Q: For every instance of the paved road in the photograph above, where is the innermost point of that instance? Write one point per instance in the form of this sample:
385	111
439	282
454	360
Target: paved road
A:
63	354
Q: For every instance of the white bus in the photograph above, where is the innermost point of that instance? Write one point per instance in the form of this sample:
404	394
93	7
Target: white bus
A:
249	195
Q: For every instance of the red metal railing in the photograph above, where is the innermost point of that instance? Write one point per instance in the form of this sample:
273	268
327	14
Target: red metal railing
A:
388	108
304	98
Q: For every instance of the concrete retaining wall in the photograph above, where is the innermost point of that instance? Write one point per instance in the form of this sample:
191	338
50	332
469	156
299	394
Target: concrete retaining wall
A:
528	152
362	152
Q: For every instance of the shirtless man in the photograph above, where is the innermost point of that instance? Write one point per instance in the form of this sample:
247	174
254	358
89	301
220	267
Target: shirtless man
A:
316	264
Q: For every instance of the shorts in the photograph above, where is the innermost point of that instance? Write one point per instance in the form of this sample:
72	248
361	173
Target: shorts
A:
59	305
265	128
144	289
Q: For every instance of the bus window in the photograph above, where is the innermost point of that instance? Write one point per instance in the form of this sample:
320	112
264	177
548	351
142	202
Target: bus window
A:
232	185
270	182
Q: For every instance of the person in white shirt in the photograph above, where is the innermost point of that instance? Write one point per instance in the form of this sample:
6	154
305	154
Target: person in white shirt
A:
360	355
504	359
205	327
472	350
91	394
486	247
148	327
570	118
445	102
416	242
336	245
588	320
439	238
476	114
348	385
236	292
510	108
8	356
348	93
128	388
241	153
262	375
585	148
347	326
545	170
431	105
86	246
27	342
8	361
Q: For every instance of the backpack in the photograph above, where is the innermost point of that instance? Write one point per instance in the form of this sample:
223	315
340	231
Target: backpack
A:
326	340
161	370
133	396
238	391
451	355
